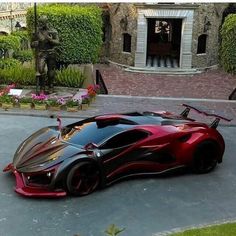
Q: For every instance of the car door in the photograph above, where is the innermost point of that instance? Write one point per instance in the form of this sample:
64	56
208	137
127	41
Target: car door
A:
121	150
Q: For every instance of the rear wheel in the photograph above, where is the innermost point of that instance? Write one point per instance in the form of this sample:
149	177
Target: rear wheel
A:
83	179
205	157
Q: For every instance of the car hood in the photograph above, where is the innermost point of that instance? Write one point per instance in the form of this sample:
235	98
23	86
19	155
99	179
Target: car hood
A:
43	150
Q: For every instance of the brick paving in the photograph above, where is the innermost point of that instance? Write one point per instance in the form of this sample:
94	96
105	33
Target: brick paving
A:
214	84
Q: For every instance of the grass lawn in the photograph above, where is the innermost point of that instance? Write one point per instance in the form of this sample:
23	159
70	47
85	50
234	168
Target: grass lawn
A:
228	229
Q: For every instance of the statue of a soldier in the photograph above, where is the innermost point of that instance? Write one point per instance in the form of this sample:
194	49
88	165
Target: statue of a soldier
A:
44	42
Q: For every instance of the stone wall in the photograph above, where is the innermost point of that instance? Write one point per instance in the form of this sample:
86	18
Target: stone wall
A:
213	13
118	15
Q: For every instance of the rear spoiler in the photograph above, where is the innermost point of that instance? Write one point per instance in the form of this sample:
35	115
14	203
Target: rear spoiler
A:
199	110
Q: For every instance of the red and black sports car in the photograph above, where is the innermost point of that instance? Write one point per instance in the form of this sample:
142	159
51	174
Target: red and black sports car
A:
95	152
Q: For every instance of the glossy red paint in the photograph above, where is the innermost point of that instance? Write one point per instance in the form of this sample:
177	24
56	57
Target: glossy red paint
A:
8	167
142	167
29	191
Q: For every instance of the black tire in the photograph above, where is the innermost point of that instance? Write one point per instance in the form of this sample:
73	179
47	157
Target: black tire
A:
83	179
205	157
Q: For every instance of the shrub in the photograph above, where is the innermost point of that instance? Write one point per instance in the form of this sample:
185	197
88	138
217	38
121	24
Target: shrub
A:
19	75
24	55
228	44
79	29
69	77
24	38
9	42
6	99
8	63
22	34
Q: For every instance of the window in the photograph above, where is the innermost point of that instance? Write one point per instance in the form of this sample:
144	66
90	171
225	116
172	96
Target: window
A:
85	133
125	138
126	42
201	47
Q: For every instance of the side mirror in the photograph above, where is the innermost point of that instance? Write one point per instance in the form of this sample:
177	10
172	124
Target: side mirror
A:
90	146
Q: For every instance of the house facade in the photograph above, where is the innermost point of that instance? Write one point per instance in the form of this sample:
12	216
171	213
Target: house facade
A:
150	36
10	14
163	36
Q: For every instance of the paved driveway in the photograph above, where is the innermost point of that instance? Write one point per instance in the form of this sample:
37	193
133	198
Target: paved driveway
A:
143	207
214	84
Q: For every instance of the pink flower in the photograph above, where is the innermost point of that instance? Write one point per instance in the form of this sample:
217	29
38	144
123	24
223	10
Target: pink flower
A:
40	97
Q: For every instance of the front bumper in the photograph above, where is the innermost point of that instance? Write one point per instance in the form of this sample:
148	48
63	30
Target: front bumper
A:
30	191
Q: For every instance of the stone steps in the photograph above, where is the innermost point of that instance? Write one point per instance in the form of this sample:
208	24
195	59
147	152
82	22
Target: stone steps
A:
163	70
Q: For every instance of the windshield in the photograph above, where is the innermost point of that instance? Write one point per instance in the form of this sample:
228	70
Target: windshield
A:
91	133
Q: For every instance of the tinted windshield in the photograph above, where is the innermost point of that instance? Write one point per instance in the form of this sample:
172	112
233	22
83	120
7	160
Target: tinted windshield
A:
91	133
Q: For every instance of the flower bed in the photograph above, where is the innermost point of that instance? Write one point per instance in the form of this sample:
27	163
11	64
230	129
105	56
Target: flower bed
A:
43	102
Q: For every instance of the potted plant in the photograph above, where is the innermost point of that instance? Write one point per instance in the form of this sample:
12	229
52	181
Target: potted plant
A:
6	101
92	91
39	101
25	102
55	103
72	104
85	101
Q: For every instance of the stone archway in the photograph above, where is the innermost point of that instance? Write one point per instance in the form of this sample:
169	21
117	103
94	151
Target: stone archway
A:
184	13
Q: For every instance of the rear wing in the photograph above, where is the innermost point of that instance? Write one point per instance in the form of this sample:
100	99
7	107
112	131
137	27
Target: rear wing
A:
199	110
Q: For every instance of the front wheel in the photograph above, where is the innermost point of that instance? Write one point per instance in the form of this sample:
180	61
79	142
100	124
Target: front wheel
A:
83	179
205	157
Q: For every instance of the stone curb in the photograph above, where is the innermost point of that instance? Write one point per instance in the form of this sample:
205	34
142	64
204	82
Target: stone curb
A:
171	98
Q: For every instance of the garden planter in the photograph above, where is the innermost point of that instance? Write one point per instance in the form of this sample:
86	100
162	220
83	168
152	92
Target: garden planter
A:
84	106
25	105
40	106
93	99
7	105
54	108
72	109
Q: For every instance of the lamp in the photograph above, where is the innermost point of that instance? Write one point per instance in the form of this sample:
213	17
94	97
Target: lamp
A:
18	26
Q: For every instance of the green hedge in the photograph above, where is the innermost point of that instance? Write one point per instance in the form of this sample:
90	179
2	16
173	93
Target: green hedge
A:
79	29
9	63
9	42
24	55
228	44
23	34
24	38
